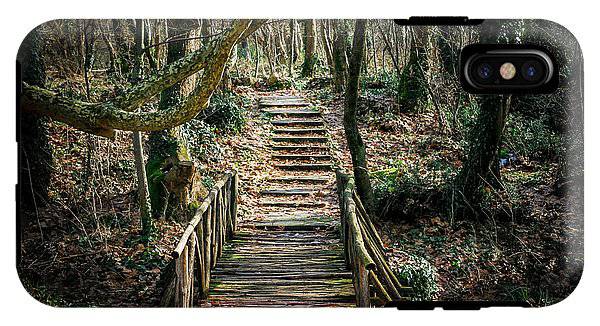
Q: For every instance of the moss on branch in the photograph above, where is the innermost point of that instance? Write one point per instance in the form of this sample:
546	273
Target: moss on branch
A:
103	118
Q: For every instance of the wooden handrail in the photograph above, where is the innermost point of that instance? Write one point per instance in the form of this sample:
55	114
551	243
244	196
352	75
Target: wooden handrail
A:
201	243
364	251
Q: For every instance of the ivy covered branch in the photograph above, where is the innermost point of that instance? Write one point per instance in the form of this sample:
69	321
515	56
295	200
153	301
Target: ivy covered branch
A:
103	119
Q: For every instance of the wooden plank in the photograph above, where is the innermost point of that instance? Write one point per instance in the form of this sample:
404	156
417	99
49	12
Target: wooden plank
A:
300	179
292	204
293	225
298	122
305	139
283	103
305	167
287	192
307	157
294	148
300	131
293	112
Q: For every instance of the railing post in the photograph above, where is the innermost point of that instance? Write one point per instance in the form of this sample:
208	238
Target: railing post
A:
212	225
234	197
207	245
362	294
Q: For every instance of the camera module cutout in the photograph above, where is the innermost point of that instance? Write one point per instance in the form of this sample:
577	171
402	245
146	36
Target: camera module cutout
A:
501	69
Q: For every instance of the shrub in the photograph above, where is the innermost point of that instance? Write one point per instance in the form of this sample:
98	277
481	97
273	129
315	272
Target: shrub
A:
411	187
225	112
531	138
417	273
201	140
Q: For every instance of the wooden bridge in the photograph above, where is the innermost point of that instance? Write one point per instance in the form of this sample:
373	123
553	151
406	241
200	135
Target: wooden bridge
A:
300	250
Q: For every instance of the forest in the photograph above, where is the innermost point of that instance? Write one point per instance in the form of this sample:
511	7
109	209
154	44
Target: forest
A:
292	162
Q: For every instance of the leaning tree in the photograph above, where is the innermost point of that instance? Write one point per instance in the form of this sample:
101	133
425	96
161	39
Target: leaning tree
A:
121	112
356	145
126	112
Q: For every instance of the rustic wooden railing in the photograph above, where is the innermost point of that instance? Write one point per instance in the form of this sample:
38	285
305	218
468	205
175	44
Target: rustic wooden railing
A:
374	282
202	242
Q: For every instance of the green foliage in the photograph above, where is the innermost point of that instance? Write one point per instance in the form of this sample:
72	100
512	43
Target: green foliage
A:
149	258
226	111
531	138
200	138
417	273
409	187
467	117
382	84
155	177
411	86
208	182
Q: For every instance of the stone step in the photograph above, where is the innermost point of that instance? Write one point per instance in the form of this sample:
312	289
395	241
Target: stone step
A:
305	167
297	122
300	139
287	192
293	223
312	157
298	147
300	131
292	204
294	113
300	179
283	102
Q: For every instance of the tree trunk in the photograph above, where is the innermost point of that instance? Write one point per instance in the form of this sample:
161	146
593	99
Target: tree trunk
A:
355	142
257	55
448	51
327	46
292	52
310	59
170	168
35	153
340	60
481	168
413	88
374	49
138	148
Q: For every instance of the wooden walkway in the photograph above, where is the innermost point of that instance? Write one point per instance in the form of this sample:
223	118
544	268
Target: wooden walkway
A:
291	255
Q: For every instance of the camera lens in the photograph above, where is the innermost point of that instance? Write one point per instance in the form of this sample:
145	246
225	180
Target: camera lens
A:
532	71
484	71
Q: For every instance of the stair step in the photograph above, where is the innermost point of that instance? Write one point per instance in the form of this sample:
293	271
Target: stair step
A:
294	224
300	139
283	102
252	275
298	147
299	122
316	166
292	204
300	131
294	113
287	192
300	179
315	157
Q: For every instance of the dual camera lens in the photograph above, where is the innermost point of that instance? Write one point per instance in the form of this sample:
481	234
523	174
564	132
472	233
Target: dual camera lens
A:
508	70
530	71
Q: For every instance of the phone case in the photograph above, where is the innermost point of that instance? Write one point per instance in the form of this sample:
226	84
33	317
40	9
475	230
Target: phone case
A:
282	162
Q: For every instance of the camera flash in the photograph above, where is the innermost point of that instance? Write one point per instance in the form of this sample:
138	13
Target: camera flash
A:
508	71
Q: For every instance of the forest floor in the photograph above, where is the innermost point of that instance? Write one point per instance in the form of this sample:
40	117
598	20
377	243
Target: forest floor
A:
532	252
92	256
83	247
